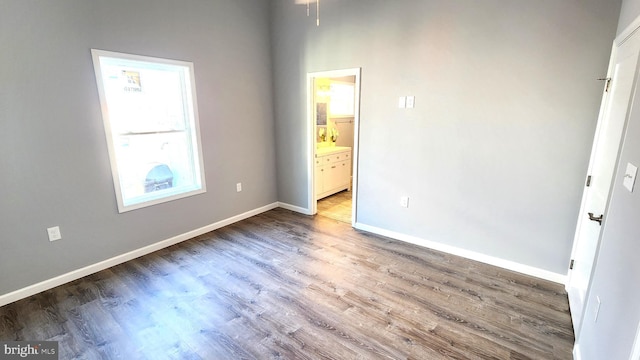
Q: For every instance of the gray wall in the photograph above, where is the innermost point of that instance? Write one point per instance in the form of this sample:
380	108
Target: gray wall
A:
53	154
617	269
495	153
629	12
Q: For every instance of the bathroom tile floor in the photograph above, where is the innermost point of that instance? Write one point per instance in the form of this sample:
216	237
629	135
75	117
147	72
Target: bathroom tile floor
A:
337	206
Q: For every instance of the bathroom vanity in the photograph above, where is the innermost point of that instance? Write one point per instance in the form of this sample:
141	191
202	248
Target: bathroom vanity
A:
332	170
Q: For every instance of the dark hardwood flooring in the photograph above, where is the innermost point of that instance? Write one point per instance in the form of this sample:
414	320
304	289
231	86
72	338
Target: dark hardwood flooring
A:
286	286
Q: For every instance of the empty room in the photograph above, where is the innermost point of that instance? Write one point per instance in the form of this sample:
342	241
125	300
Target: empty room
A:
322	179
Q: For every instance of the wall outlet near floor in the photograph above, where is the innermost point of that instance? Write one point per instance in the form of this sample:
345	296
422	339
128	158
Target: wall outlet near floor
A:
404	201
239	187
54	233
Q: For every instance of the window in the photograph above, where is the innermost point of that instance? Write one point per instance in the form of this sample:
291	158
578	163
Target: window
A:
151	123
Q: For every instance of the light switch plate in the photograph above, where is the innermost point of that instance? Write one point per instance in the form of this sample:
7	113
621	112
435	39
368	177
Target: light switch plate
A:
630	176
411	102
54	233
402	102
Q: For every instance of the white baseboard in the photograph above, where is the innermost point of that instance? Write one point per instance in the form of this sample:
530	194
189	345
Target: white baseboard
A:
297	209
505	264
576	352
88	270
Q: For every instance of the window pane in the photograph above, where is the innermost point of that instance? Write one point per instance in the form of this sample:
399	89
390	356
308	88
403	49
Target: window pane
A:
149	107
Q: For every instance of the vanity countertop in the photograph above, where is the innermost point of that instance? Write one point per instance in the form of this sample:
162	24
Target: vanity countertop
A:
330	150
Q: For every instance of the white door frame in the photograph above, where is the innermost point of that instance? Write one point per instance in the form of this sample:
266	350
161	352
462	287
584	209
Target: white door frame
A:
635	351
311	136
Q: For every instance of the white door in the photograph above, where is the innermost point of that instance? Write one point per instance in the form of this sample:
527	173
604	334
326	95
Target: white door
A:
604	154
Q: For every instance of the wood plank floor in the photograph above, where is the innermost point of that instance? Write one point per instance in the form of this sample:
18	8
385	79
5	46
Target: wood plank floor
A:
286	286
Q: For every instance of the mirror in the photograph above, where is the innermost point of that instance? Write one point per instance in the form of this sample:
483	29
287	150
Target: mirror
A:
321	114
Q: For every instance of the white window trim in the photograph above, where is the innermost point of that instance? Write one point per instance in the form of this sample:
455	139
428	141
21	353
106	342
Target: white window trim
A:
196	151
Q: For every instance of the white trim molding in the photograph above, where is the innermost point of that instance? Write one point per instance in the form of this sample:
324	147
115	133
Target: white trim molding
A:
298	209
635	352
116	260
472	255
628	31
576	352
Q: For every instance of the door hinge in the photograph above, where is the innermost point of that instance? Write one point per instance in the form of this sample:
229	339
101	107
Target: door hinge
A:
607	85
588	180
571	264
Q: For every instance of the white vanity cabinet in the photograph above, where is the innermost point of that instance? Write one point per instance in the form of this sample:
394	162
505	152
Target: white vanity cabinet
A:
333	170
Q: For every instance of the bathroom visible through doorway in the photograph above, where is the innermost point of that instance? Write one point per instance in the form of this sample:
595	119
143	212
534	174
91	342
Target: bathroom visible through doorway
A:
333	122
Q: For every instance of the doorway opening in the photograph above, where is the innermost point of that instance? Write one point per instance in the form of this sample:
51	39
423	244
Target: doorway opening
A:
333	119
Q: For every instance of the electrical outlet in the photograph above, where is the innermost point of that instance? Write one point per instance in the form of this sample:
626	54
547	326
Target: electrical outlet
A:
239	187
404	201
54	233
